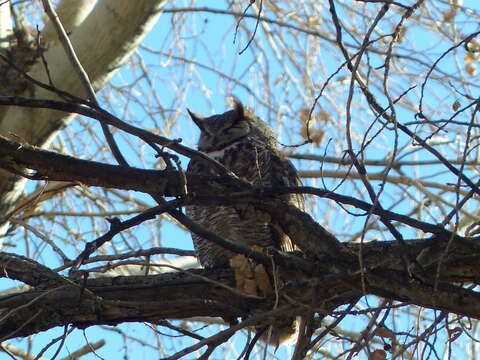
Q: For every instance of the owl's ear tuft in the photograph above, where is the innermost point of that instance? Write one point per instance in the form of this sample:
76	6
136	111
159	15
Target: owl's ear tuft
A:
196	119
238	110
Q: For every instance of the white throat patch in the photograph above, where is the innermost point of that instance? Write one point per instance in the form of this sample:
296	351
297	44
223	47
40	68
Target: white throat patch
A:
218	154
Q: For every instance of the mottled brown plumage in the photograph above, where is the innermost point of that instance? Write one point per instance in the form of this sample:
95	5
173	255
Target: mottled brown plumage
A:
246	146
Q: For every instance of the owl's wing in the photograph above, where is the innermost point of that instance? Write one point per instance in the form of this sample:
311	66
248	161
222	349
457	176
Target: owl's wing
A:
282	173
285	174
198	167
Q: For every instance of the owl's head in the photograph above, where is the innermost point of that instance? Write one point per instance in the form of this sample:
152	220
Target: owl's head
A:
222	130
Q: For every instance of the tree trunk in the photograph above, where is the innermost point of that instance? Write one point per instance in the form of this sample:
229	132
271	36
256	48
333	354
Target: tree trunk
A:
103	40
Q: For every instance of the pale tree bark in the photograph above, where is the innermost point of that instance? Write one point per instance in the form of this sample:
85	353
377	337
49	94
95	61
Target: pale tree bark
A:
103	37
72	13
5	26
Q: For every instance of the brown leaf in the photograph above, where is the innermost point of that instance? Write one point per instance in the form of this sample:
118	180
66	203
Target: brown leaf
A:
304	115
378	355
469	58
473	46
385	333
324	116
456	105
315	135
449	15
471	69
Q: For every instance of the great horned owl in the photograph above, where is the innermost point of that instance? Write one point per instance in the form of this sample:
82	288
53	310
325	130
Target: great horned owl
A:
247	146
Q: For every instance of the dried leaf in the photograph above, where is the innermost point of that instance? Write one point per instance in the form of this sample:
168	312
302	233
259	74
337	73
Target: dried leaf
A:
384	333
400	36
471	69
449	15
304	114
324	116
315	135
469	58
456	105
378	355
473	46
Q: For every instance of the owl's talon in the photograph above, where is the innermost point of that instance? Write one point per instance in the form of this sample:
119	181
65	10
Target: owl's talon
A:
263	281
250	278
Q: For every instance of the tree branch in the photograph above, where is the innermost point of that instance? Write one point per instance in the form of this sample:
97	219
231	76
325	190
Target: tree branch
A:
186	294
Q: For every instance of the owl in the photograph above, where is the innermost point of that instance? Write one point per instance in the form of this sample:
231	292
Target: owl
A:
246	146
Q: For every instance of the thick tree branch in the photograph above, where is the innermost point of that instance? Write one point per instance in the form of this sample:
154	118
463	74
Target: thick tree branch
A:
53	166
81	107
153	298
49	165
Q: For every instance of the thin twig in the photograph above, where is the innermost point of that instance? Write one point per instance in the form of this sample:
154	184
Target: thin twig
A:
83	76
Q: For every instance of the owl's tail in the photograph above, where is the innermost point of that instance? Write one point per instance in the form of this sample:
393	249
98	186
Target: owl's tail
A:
283	331
254	279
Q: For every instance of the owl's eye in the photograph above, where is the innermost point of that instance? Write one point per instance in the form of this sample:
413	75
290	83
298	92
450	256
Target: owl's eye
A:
238	125
234	125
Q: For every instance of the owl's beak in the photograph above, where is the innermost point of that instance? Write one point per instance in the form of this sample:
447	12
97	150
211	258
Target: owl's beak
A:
196	119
